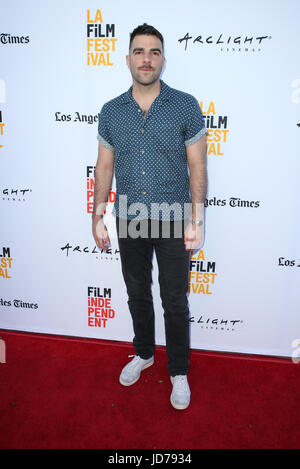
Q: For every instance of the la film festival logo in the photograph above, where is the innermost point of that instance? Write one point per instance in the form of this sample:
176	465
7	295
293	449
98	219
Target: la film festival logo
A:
100	310
101	40
5	263
202	274
217	131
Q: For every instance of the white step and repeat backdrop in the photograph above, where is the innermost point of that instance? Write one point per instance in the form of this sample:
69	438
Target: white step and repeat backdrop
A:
60	61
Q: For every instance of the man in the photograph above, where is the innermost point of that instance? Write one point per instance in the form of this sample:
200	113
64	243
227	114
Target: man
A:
153	137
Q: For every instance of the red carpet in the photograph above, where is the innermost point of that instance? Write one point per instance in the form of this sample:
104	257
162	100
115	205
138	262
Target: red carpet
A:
58	392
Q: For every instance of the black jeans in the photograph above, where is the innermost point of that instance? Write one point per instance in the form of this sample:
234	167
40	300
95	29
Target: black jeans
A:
173	267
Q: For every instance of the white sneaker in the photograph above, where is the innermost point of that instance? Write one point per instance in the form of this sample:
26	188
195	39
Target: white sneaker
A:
132	371
181	394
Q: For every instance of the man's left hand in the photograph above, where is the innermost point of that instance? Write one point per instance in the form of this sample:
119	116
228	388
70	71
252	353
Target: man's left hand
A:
193	237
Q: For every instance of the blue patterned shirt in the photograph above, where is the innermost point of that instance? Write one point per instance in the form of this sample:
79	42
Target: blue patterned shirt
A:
150	153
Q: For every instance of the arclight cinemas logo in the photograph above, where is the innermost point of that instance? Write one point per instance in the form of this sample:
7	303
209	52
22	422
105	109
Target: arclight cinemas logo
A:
78	249
216	322
14	194
226	42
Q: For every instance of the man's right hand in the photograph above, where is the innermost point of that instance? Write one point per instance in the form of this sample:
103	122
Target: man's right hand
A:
100	233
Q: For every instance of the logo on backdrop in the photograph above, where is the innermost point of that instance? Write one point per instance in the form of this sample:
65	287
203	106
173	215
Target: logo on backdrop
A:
18	304
90	181
217	131
101	254
100	309
5	263
231	202
215	322
14	194
202	279
202	274
101	40
284	262
225	42
6	38
76	117
76	248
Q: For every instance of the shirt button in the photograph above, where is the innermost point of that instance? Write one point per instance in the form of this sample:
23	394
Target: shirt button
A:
139	110
142	130
142	151
143	172
144	192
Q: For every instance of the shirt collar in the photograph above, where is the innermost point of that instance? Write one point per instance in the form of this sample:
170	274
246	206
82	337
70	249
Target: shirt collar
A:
164	94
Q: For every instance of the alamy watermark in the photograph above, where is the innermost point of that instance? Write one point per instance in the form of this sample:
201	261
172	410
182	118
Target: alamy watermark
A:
135	218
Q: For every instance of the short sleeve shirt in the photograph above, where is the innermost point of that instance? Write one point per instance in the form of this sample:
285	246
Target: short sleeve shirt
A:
151	169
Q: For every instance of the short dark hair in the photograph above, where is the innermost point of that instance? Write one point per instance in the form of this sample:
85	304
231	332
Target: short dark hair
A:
146	29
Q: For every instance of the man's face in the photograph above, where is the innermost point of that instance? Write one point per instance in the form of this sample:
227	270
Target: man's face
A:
145	60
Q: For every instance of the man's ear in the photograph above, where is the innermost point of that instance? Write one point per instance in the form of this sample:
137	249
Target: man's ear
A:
127	60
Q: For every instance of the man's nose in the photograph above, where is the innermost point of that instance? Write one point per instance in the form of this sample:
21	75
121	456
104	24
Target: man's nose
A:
147	57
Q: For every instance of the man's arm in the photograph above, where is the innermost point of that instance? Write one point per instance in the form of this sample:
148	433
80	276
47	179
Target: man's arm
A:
197	161
103	178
